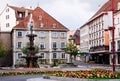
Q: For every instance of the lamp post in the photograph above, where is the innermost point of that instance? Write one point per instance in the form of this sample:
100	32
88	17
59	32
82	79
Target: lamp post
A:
112	28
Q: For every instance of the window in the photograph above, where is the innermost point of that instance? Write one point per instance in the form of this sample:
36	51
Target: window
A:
42	45
62	44
42	55
63	34
63	55
54	25
41	25
19	34
118	20
55	34
20	15
19	55
19	45
7	10
7	16
118	45
7	24
42	34
40	17
54	45
119	31
54	55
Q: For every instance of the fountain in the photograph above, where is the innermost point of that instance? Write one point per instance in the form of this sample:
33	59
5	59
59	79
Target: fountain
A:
31	59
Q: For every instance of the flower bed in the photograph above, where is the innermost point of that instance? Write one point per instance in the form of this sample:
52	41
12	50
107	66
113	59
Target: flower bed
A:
90	74
96	73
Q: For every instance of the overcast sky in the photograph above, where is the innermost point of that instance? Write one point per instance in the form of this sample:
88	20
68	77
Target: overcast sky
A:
70	13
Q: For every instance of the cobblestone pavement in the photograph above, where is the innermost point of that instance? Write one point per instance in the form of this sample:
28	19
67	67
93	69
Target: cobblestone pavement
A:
18	78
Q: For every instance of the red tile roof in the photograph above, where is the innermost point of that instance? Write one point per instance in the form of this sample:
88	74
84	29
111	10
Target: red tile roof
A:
76	36
20	9
107	6
47	20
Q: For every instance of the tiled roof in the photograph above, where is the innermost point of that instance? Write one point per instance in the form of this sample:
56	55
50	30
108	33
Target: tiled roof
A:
77	37
74	35
107	6
20	9
71	32
46	19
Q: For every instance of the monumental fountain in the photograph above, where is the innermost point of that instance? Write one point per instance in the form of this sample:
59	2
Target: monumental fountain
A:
31	58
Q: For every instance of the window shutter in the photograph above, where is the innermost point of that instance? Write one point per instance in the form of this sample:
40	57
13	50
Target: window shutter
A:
58	44
44	34
16	34
17	45
52	45
23	34
65	34
52	34
39	44
44	44
39	34
58	34
52	56
22	44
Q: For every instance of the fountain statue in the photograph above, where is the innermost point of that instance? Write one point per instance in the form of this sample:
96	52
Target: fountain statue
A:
31	59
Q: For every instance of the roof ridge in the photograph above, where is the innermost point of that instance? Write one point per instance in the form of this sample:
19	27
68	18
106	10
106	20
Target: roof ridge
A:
47	19
14	7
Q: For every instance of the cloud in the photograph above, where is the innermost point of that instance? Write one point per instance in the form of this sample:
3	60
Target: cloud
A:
71	13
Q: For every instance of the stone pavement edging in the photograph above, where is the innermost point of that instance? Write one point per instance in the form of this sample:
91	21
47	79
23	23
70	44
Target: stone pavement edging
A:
40	79
78	79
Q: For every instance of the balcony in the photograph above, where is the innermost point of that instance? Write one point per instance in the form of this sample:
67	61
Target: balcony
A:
99	48
54	48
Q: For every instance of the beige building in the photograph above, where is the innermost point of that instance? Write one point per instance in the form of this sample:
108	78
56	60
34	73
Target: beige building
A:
51	37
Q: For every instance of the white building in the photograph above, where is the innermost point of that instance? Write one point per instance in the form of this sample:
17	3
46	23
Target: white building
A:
117	38
99	35
84	41
11	16
84	38
51	37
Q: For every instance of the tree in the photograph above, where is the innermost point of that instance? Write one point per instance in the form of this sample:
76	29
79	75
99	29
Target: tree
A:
25	49
71	49
3	49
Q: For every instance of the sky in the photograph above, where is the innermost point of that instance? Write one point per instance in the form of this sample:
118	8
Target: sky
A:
71	13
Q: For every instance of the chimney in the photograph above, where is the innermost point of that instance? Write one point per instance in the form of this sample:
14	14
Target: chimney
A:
118	6
26	12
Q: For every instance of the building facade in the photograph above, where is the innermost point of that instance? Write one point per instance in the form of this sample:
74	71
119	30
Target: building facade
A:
117	39
51	37
14	14
84	41
100	36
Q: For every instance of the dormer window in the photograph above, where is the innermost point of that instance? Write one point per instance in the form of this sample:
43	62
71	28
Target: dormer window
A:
20	15
41	25
40	17
7	10
118	6
54	25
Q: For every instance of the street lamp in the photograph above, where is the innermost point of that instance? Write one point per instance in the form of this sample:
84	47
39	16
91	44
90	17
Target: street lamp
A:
112	28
